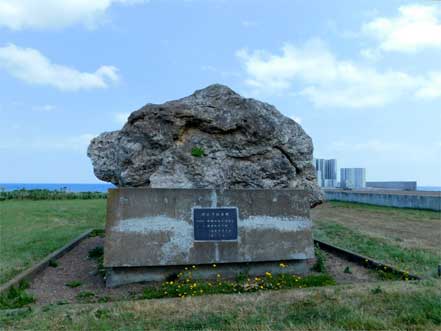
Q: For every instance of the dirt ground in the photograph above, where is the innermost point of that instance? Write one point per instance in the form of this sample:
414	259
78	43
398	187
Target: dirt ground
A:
355	273
50	285
406	229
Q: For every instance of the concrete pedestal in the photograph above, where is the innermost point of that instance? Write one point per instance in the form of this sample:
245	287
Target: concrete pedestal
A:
150	233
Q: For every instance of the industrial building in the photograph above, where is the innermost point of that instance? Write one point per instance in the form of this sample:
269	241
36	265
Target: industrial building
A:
353	178
326	171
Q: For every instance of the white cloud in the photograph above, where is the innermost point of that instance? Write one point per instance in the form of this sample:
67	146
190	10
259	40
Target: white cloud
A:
431	88
371	54
121	118
416	27
42	14
29	65
318	75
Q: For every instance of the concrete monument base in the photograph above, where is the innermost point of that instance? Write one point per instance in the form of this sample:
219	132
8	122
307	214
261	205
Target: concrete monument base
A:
126	275
153	233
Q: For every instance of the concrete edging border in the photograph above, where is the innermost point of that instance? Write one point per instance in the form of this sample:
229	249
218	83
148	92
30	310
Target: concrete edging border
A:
31	272
362	260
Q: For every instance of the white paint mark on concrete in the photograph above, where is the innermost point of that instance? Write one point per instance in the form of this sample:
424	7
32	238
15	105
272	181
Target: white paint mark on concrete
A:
290	224
216	252
180	234
213	199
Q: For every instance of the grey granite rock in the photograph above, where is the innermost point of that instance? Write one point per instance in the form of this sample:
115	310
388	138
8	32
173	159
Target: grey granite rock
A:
213	138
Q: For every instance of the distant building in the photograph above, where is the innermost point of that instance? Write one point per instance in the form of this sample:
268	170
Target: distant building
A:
319	178
353	178
403	185
330	183
326	171
331	169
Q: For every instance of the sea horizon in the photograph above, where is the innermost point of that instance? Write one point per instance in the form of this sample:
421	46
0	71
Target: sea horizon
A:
103	187
69	187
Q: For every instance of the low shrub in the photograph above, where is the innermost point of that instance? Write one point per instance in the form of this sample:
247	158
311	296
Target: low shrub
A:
197	152
53	263
320	262
96	253
43	194
16	297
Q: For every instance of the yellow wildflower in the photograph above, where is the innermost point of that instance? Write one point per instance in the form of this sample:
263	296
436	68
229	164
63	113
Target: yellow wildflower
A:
214	265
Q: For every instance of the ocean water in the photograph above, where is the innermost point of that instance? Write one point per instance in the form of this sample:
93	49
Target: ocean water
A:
70	187
428	188
103	187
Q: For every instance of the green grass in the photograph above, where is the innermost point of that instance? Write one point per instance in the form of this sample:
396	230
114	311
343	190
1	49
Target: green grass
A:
185	286
16	297
399	306
30	230
417	261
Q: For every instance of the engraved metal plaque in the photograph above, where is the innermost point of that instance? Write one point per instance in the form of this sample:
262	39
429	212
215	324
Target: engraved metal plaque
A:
215	224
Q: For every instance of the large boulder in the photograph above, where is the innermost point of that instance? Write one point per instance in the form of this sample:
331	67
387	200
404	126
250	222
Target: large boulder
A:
213	138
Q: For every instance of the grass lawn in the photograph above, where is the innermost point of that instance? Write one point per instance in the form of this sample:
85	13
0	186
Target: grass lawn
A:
30	230
395	306
406	238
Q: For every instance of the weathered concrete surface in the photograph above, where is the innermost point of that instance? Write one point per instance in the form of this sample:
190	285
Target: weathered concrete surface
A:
242	143
153	227
400	199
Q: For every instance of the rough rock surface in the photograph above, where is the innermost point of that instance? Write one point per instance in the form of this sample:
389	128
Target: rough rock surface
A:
244	143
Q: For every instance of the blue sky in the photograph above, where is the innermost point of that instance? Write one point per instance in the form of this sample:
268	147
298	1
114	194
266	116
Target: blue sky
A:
363	78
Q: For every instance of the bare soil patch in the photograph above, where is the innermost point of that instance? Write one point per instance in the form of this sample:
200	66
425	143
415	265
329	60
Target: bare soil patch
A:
346	272
49	287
